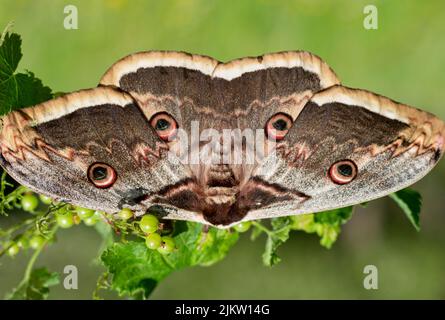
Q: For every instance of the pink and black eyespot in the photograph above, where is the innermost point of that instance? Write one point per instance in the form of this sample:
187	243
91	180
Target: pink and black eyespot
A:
165	126
278	126
343	172
102	175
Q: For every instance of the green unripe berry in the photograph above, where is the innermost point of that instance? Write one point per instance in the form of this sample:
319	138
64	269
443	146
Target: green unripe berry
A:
36	242
90	221
65	220
153	241
29	202
167	246
84	213
45	199
149	223
125	214
13	250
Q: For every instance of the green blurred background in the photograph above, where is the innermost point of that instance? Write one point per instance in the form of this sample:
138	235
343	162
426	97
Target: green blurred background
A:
404	59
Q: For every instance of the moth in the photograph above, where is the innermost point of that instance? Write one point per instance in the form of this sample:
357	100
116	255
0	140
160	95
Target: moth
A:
121	144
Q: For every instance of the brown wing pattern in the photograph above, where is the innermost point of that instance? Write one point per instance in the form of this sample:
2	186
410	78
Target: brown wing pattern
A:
52	146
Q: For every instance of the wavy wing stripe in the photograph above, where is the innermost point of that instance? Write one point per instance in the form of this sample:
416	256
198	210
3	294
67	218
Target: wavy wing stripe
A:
425	128
21	123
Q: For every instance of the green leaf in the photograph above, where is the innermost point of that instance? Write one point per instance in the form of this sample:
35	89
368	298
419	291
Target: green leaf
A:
410	201
105	231
326	224
136	270
36	287
256	232
275	238
107	235
17	90
10	55
334	217
304	222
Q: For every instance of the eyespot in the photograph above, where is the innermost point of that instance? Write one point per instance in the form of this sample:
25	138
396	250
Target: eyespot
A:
343	172
164	125
278	126
102	175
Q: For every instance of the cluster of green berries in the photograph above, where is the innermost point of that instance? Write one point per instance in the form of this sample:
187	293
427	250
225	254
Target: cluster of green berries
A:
150	226
65	219
29	203
35	242
69	218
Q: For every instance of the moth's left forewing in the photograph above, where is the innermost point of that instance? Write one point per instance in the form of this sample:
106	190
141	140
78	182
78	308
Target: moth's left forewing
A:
392	146
51	147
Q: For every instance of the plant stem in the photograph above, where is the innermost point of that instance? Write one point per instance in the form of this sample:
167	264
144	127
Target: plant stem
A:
262	228
33	259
